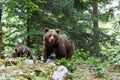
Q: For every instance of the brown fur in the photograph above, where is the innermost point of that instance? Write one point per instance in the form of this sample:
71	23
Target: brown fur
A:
21	51
2	56
61	45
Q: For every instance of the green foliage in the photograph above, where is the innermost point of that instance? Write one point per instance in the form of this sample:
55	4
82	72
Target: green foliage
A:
97	65
81	55
80	74
112	54
73	17
70	64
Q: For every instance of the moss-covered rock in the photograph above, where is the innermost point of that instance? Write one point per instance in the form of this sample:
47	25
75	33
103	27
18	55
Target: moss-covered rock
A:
15	78
2	67
37	71
2	61
10	62
27	76
114	76
81	74
17	69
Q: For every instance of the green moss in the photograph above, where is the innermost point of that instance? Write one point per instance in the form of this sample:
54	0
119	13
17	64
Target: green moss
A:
2	61
27	75
22	59
40	78
15	78
114	76
37	71
15	62
11	62
80	74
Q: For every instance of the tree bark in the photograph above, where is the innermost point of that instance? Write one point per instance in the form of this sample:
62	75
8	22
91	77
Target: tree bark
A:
1	42
96	48
28	30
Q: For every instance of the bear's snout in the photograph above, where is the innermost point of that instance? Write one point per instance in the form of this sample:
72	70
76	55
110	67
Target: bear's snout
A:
52	39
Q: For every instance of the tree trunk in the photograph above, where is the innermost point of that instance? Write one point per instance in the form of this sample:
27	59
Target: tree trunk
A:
28	30
95	29
1	42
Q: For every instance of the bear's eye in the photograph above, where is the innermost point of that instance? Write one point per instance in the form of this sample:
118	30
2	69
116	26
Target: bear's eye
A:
49	35
54	36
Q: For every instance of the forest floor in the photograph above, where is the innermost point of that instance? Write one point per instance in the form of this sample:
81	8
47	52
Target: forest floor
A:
26	69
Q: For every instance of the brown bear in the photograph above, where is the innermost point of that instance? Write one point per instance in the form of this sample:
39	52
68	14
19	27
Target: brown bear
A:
2	56
21	51
55	42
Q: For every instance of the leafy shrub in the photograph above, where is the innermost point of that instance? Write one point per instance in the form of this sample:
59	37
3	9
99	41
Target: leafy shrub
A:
70	64
79	55
112	53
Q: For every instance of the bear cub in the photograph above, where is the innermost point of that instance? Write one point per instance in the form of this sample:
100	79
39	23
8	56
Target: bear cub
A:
21	51
61	45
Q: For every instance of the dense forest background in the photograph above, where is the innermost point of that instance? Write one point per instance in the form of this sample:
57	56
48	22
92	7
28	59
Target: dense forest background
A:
93	25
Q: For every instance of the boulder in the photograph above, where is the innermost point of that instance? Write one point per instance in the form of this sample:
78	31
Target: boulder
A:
60	74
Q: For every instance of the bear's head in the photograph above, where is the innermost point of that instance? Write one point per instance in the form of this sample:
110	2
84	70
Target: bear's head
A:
51	36
15	52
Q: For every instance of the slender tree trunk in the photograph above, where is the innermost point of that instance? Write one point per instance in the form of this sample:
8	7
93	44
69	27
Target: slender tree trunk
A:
95	28
28	27
1	42
28	30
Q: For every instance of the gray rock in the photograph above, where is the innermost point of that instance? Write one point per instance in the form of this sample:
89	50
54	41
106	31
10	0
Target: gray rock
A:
114	76
21	72
2	67
60	74
2	76
49	60
32	73
29	62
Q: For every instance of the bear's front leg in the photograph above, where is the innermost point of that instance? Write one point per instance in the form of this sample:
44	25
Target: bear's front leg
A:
61	53
47	53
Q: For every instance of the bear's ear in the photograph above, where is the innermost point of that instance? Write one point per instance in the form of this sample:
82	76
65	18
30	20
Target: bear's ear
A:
15	49
46	30
57	30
